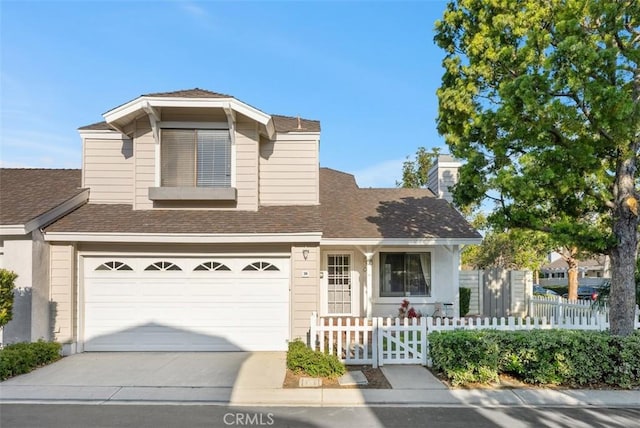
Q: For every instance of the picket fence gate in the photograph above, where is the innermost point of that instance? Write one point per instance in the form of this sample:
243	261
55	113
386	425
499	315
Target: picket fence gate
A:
379	341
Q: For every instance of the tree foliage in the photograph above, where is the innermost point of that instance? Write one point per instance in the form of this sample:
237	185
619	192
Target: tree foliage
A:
542	101
415	172
512	249
7	281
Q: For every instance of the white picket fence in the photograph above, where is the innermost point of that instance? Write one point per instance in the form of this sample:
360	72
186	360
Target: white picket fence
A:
380	341
561	308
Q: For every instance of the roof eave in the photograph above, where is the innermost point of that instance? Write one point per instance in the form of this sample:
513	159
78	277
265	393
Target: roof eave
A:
400	241
136	106
186	238
47	217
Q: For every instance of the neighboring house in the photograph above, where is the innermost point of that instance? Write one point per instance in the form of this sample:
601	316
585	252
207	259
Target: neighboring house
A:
29	200
592	271
210	226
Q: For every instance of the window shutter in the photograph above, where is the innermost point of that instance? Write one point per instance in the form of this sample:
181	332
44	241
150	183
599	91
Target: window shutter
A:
178	155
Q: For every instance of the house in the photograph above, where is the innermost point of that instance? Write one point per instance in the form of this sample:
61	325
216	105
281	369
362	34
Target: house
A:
29	200
199	222
592	271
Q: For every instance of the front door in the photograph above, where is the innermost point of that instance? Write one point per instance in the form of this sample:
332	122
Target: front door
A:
339	293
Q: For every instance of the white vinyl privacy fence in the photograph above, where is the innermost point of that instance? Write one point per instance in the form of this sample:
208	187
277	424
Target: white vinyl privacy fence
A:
380	341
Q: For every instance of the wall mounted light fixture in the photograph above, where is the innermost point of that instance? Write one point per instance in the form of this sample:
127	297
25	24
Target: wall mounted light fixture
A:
305	254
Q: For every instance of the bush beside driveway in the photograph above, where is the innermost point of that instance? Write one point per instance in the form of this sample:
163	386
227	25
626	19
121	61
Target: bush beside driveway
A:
21	358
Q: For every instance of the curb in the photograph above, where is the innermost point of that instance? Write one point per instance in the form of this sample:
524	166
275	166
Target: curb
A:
319	397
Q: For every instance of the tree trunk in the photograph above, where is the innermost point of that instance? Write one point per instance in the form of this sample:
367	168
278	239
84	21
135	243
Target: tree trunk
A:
573	277
623	255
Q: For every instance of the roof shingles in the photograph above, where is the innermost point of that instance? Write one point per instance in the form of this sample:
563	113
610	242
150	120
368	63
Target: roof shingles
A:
351	212
28	193
345	212
103	218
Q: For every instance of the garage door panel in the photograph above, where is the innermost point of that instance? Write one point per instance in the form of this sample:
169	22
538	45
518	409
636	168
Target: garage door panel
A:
186	310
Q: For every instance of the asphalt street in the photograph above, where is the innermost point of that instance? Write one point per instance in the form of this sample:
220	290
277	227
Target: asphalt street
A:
186	416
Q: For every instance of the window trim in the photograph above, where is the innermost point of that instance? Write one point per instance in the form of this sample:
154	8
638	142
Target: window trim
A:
383	298
222	126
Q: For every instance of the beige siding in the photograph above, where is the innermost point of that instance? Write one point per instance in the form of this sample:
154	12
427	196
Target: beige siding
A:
145	169
63	297
247	166
305	294
108	170
289	172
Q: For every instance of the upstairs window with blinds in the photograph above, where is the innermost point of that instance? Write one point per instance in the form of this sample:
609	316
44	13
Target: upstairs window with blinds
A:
195	158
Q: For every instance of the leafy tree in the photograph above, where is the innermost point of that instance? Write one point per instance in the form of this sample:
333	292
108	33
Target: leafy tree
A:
7	281
542	100
415	172
511	249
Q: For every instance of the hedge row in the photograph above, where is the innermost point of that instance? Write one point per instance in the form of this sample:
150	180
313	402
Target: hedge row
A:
21	358
302	359
556	357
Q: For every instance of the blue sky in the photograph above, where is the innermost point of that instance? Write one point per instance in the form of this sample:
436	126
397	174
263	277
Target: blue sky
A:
367	70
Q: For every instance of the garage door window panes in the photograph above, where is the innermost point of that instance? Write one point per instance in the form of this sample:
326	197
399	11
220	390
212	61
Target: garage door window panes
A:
261	267
211	266
162	266
113	265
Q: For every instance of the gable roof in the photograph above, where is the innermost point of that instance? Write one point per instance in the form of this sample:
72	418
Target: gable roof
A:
189	96
281	123
189	93
27	194
349	212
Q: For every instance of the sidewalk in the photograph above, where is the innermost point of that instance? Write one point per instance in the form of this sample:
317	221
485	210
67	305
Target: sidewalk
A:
259	383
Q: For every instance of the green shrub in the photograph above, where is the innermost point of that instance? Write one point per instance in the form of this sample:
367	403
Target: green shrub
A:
464	356
20	358
465	299
625	358
302	359
7	281
556	357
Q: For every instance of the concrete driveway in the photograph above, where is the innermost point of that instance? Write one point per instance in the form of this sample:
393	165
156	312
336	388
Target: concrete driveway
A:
141	376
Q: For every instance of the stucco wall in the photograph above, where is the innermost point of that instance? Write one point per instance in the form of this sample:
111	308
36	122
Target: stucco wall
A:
444	283
17	257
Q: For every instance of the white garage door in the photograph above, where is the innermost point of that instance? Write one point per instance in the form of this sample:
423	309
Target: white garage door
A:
186	304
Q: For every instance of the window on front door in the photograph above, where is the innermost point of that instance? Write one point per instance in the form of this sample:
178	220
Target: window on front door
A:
339	283
405	274
195	158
